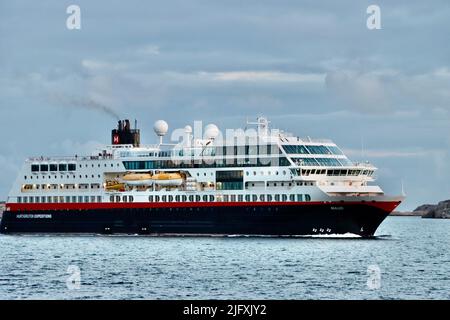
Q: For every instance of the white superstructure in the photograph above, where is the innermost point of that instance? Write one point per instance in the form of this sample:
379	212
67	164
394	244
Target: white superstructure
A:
268	166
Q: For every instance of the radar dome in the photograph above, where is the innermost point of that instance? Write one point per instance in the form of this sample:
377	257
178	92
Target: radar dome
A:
160	127
211	131
188	129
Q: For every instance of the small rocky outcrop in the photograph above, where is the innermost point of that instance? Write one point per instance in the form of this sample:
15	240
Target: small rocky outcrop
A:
437	211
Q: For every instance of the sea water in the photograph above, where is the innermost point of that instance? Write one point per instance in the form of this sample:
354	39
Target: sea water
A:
409	259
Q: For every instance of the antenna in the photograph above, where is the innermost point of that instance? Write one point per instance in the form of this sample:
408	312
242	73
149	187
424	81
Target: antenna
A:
262	124
362	148
403	190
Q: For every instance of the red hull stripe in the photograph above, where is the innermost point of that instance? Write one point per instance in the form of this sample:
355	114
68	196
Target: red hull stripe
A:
384	205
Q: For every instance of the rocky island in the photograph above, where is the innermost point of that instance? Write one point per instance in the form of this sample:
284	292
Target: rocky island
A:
437	211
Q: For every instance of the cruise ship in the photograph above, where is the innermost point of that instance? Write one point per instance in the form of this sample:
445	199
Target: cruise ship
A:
256	181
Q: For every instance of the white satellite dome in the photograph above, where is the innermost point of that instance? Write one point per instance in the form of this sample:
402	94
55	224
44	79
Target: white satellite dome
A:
161	127
188	129
211	131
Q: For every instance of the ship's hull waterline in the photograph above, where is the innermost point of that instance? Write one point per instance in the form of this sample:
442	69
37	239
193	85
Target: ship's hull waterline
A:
275	219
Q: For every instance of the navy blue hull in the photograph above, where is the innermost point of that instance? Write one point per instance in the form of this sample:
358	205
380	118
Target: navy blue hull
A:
360	219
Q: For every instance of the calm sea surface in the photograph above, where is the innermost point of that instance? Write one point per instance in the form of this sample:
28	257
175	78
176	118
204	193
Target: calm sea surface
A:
409	260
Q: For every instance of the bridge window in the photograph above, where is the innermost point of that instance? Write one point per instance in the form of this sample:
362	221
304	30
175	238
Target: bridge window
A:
318	150
44	167
295	149
34	167
335	150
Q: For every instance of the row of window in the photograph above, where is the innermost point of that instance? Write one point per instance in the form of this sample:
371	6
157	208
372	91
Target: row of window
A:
169	198
323	162
350	172
232	150
300	149
61	167
118	198
214	163
59	199
61	177
247	173
335	172
81	186
282	184
230	198
53	167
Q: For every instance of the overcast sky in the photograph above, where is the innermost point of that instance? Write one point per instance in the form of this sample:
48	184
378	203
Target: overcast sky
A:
312	67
